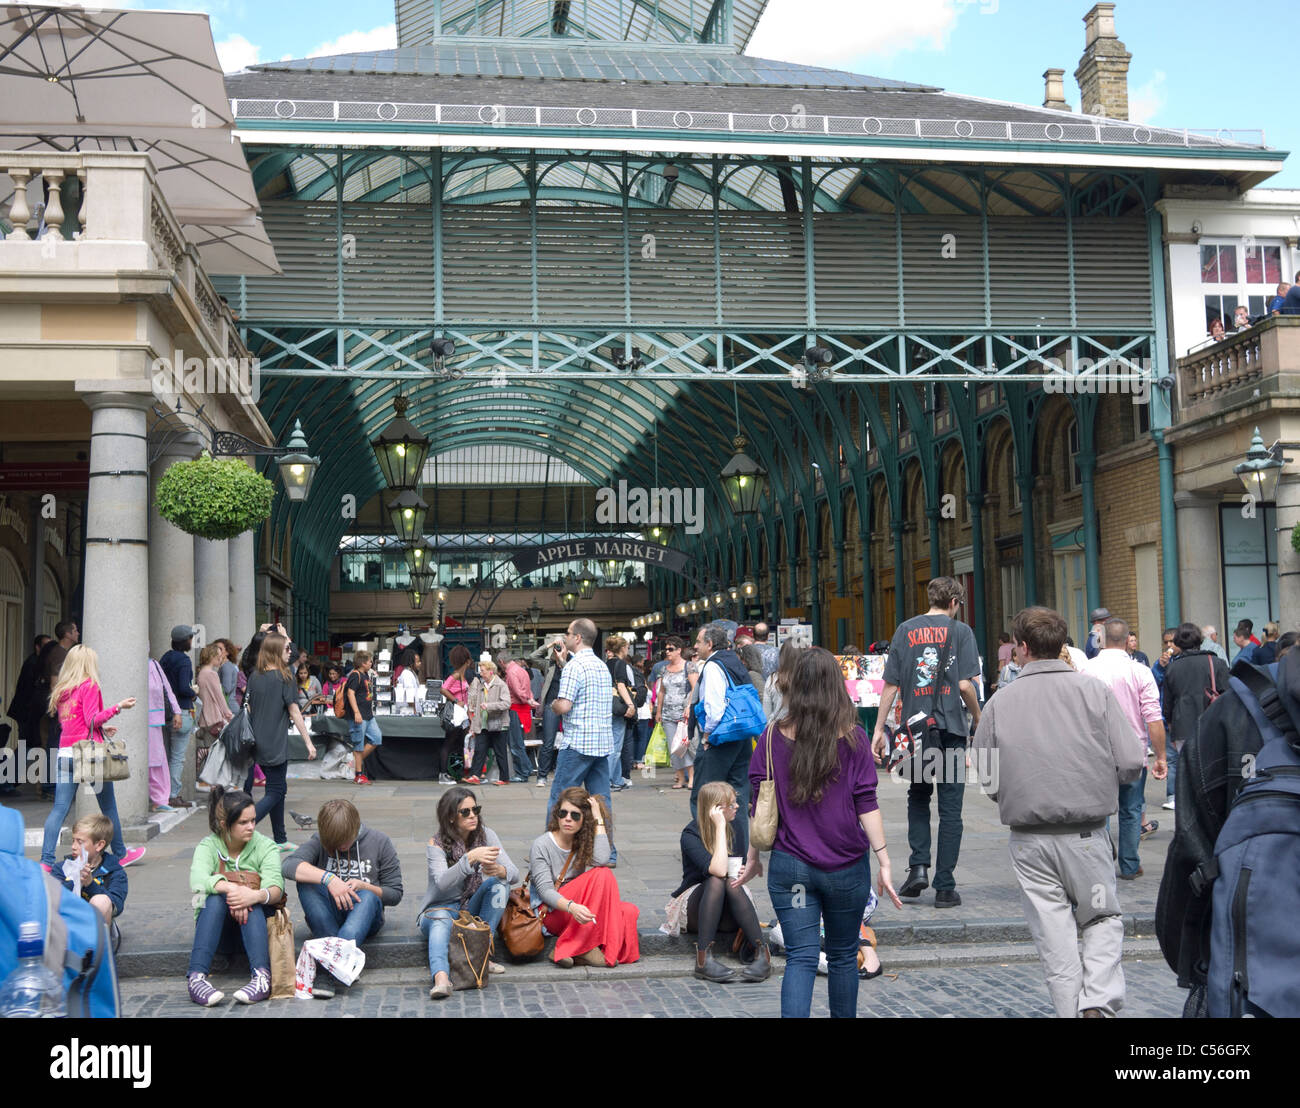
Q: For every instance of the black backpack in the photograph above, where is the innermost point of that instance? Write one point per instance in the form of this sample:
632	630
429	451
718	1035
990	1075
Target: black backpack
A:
638	687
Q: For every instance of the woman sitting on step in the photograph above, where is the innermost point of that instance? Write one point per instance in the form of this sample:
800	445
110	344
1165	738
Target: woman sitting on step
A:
570	874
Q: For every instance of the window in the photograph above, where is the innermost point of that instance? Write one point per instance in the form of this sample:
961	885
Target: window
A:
1015	479
1237	273
1141	419
1249	559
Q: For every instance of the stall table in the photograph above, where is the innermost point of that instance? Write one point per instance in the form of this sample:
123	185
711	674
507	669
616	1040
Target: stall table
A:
408	752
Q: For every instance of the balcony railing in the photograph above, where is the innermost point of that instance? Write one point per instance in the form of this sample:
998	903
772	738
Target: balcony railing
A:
1266	358
104	212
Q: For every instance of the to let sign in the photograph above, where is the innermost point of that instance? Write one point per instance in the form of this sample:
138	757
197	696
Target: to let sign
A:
44	477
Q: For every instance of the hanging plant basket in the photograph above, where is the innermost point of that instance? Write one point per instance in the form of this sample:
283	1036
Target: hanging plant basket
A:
214	498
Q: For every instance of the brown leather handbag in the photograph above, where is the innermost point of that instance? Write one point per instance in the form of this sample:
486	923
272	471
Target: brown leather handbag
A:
247	878
521	926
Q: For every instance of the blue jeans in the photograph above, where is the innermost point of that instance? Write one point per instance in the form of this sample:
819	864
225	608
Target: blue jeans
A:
616	755
277	788
178	745
325	918
65	792
804	897
951	786
364	733
520	766
546	755
216	932
488	903
1131	798
643	729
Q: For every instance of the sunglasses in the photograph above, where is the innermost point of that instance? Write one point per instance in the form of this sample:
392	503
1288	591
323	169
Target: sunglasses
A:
566	814
470	811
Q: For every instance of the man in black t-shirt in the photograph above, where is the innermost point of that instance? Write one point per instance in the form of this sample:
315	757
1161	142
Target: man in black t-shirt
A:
363	728
913	667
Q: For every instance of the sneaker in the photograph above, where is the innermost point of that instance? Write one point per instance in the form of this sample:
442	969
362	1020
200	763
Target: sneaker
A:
541	782
257	989
470	780
519	780
285	848
1168	805
131	856
202	992
362	779
445	779
47	869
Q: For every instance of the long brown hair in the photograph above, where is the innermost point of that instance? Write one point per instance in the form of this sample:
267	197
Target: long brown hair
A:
447	837
819	707
271	657
584	842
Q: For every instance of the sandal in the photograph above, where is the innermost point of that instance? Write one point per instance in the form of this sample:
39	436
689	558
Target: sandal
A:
1150	828
869	935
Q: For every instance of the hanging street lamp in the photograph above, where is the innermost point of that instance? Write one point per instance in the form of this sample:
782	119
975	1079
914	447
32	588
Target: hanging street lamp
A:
297	467
569	600
400	450
407	512
1260	471
417	559
660	533
586	583
744	481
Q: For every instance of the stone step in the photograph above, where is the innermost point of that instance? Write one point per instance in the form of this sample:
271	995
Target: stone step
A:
928	944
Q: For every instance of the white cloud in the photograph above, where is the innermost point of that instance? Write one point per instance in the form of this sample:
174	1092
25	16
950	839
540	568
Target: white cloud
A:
236	52
1147	100
844	30
356	42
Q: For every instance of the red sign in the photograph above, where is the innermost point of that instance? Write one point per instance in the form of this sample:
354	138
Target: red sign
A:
321	648
336	654
44	477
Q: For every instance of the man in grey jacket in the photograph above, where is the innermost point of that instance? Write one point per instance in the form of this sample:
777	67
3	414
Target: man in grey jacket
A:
1053	749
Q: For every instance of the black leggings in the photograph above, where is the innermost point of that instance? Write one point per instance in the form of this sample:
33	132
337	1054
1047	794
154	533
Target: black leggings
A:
715	906
497	740
272	802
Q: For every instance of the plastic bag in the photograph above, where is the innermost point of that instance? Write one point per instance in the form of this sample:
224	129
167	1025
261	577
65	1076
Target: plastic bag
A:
337	763
656	752
219	770
681	738
342	957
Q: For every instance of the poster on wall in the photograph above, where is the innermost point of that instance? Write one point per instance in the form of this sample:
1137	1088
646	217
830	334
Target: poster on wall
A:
864	677
786	631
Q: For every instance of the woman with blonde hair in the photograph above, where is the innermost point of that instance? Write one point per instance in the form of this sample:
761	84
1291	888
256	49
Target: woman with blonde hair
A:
717	902
489	719
78	702
271	700
569	867
216	712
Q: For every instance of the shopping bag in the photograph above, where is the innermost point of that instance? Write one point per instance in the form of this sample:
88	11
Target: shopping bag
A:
336	764
341	957
681	739
279	929
656	752
218	769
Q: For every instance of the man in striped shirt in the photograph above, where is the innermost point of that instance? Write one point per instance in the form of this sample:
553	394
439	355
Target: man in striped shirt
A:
583	703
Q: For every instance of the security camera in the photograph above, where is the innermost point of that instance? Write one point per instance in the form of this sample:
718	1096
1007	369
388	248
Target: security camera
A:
1166	382
443	348
671	172
1196	226
817	355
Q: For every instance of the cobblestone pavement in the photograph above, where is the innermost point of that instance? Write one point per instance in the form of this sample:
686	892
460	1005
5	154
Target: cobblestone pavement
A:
985	991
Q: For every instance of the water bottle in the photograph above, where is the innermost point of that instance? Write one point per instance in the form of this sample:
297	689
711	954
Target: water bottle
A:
33	990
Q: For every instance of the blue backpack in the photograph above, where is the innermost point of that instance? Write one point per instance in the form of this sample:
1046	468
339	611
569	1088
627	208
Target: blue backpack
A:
77	943
1254	943
743	716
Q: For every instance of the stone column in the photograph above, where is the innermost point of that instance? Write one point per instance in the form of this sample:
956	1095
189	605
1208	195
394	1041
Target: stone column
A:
1198	557
211	588
1287	499
243	614
115	620
171	558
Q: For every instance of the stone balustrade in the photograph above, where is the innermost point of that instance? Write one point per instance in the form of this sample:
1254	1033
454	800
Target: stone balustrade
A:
104	212
1265	358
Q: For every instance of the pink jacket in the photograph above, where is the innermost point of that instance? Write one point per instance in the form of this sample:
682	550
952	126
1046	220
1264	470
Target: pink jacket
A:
520	685
81	710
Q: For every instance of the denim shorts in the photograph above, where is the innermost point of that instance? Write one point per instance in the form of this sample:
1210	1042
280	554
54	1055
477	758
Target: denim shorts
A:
366	732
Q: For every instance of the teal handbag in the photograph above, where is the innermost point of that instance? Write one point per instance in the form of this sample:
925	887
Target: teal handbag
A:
742	718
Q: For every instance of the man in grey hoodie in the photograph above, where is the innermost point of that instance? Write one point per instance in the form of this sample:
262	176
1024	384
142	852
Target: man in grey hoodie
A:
347	874
1052	750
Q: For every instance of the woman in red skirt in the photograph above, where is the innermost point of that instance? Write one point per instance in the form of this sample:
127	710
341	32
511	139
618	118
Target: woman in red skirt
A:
569	869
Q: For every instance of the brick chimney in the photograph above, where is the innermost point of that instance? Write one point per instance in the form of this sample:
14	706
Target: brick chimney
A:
1103	69
1054	93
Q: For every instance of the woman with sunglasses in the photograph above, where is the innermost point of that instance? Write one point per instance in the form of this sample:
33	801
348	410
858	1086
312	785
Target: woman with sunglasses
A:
569	869
470	871
676	682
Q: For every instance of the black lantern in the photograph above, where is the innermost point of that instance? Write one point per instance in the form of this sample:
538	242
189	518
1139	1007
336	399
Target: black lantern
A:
417	598
407	511
400	450
417	560
569	600
660	533
586	583
743	480
1260	471
297	468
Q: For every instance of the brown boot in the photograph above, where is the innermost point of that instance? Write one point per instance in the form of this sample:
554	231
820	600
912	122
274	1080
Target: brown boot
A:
592	958
760	969
708	968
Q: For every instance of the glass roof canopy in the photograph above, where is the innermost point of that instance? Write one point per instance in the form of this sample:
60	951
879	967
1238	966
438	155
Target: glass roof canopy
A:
722	21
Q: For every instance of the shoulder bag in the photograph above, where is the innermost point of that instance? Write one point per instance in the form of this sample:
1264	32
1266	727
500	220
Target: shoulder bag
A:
521	925
1213	692
468	952
97	758
742	716
762	828
249	879
237	735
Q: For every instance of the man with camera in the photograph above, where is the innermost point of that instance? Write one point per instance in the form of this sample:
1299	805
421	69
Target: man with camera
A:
933	661
551	660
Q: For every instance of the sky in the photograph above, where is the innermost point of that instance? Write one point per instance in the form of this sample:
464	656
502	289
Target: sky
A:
1189	68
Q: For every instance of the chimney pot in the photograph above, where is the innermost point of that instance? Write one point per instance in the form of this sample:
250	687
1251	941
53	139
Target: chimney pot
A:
1054	90
1103	69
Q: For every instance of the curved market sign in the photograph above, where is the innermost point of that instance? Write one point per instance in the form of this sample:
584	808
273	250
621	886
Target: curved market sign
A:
626	550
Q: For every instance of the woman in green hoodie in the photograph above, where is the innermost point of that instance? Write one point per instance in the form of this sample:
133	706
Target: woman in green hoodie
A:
236	880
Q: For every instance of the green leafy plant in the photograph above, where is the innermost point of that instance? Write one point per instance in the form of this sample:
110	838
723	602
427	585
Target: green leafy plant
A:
1295	538
214	498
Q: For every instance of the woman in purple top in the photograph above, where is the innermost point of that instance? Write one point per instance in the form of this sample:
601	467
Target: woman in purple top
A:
829	822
